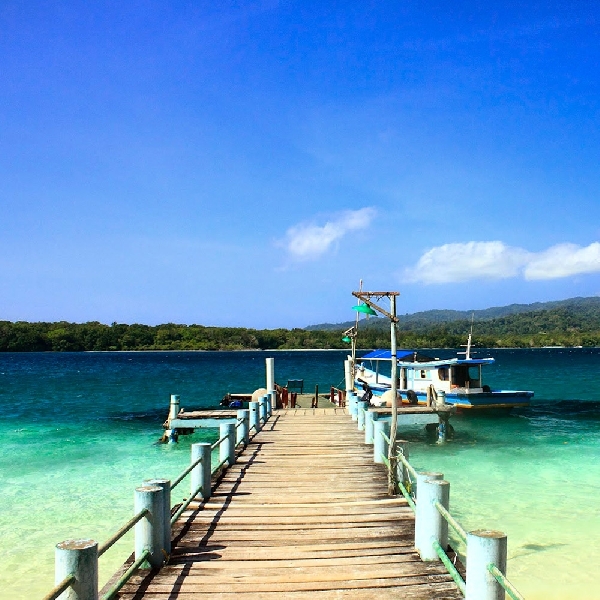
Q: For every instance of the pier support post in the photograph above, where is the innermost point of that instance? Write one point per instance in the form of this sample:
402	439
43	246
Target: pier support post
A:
244	428
440	399
352	405
429	523
78	558
171	434
380	445
254	416
360	415
270	368
174	406
227	447
165	486
149	532
485	547
369	416
201	473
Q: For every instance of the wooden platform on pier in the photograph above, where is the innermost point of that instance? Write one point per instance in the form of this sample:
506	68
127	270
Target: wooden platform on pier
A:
303	514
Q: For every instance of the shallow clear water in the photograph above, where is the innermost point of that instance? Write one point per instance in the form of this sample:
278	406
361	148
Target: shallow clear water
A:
79	433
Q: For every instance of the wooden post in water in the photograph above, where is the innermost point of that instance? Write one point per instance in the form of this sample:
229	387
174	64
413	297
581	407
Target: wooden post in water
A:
79	558
200	475
485	547
165	486
243	430
429	523
149	531
227	447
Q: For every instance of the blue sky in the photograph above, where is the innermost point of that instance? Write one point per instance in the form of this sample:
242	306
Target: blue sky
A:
248	163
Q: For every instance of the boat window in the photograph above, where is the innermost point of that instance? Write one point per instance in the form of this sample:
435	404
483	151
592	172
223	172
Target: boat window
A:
443	373
423	374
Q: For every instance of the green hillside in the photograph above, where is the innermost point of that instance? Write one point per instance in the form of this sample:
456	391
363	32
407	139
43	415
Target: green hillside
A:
574	322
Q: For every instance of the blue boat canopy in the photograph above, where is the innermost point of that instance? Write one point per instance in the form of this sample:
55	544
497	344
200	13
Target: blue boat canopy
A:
387	354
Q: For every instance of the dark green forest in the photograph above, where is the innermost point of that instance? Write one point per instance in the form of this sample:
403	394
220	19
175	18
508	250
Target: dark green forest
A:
574	322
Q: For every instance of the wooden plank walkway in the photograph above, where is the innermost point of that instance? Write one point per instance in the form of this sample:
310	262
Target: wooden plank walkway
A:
304	513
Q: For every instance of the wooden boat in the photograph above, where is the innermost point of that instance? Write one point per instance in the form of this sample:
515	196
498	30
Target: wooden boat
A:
459	378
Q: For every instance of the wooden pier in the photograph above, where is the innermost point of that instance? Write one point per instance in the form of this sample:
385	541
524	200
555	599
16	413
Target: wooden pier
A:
303	513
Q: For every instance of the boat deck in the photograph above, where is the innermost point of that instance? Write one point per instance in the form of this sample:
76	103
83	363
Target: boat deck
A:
304	513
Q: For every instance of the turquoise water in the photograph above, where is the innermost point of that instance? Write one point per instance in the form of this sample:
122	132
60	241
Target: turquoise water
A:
79	434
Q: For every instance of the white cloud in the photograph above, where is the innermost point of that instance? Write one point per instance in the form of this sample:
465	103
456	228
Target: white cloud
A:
308	241
564	260
453	263
461	262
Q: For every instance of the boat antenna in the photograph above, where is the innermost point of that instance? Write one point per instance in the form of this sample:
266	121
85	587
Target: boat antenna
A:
467	352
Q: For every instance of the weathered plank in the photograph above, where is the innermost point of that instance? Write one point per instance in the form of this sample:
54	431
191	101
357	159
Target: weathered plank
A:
304	513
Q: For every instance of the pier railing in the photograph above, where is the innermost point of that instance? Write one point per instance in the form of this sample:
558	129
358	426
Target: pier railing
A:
77	559
428	494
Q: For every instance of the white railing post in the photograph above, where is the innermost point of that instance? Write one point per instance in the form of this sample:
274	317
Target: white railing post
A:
243	429
165	486
380	446
262	404
369	415
78	558
360	415
270	369
201	473
227	447
149	531
423	475
254	416
485	547
352	400
429	523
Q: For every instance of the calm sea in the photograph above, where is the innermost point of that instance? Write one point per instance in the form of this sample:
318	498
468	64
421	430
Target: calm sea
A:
79	433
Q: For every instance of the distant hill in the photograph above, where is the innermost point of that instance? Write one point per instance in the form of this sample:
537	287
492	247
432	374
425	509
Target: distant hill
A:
589	307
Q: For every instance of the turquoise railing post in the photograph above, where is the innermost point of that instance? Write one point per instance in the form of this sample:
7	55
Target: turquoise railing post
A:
268	405
254	416
352	399
485	547
423	475
362	406
273	402
244	428
200	475
429	523
369	426
80	559
227	447
165	486
149	531
380	445
262	407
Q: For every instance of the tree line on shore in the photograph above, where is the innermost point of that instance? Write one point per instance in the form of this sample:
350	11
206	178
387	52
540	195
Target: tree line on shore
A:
557	327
